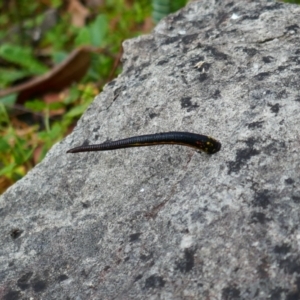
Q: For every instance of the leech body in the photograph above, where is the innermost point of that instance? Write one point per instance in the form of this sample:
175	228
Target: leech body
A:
198	141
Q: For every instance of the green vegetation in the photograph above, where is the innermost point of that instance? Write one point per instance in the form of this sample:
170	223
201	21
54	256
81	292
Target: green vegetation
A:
35	37
292	1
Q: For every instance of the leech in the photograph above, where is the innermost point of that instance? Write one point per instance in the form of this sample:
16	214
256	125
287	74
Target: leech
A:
200	142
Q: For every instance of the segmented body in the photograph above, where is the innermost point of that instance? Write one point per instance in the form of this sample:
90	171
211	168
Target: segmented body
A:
198	141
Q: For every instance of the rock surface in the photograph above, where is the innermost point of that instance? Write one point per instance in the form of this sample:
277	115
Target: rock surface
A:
166	222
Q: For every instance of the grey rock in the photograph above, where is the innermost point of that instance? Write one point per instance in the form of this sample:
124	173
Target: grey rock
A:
166	222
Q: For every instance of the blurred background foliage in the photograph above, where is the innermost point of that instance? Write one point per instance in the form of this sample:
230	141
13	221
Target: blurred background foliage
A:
55	57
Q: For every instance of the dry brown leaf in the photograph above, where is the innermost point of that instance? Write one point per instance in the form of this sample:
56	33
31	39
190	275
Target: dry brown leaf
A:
78	12
148	25
5	183
25	131
70	70
94	3
37	154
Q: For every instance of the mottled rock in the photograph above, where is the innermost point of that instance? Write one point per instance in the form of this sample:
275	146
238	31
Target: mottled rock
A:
166	222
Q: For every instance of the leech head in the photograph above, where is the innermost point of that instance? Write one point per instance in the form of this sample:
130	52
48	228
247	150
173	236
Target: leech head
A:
212	146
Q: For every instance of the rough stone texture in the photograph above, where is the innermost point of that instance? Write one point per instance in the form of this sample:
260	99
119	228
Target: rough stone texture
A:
166	222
